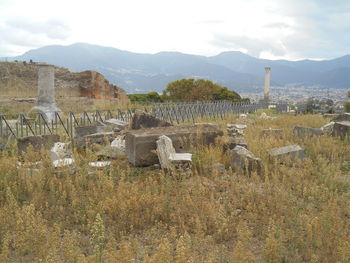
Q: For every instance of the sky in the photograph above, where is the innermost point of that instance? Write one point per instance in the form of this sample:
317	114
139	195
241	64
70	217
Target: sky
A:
272	29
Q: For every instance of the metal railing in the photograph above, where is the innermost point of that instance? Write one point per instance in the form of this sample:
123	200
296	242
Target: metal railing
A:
188	112
32	124
27	124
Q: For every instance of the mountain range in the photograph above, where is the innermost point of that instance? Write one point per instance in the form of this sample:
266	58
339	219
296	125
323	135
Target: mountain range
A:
140	73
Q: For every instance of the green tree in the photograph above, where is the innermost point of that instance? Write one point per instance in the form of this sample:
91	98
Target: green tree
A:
347	103
198	89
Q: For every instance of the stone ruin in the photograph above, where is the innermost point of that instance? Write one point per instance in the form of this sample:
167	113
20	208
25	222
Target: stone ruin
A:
170	146
46	92
170	160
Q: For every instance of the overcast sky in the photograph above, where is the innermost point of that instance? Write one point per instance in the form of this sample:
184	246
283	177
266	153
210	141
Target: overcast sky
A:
290	29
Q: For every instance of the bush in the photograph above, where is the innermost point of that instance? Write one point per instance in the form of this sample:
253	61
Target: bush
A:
151	97
347	106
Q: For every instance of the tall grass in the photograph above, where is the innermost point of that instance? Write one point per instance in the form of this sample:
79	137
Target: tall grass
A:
294	213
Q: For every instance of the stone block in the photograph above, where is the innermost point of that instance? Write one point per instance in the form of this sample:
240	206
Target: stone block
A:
243	161
115	150
60	150
286	153
167	156
341	129
304	131
103	138
141	144
342	117
328	128
141	120
236	129
82	131
231	142
117	125
43	142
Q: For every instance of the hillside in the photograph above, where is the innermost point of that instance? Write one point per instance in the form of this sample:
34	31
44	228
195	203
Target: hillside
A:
145	72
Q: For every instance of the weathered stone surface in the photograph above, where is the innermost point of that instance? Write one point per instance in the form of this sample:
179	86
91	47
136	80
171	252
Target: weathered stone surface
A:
291	152
235	129
117	125
231	142
82	131
103	138
328	128
141	144
46	92
341	129
342	117
63	162
143	119
100	164
244	162
272	132
38	142
115	150
167	156
304	131
60	150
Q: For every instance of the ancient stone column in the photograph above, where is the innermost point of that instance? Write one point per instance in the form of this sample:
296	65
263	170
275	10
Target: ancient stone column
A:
46	92
46	85
267	85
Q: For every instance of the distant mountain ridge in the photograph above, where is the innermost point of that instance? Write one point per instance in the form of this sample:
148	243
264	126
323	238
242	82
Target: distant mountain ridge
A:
136	72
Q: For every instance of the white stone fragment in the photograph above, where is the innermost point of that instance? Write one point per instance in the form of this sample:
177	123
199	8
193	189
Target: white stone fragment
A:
167	155
62	162
60	150
99	164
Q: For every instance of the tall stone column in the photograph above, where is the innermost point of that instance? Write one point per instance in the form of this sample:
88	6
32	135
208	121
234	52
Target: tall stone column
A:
46	85
46	91
267	85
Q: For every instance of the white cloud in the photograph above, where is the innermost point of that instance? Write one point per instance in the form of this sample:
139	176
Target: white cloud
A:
284	29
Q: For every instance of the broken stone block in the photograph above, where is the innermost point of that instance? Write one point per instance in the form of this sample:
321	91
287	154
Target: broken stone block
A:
272	132
102	138
328	128
42	142
234	130
342	117
141	144
82	131
117	125
243	161
143	119
341	129
99	164
60	150
286	153
115	150
231	142
59	163
167	156
304	131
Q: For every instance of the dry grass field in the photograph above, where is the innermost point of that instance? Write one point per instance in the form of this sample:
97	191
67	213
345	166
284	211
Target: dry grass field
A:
290	214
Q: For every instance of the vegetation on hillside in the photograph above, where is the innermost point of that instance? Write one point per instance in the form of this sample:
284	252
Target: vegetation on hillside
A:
188	90
150	97
290	214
